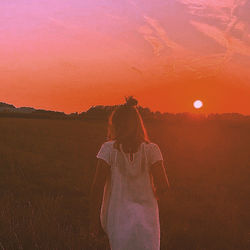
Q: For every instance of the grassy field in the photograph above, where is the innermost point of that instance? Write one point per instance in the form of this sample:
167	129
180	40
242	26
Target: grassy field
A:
47	166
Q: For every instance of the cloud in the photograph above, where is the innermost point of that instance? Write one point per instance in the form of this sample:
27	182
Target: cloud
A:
207	66
211	32
157	37
184	60
223	10
152	39
155	43
240	26
224	19
229	42
136	70
160	31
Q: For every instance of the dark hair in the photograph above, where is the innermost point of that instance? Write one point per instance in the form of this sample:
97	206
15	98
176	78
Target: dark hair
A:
125	126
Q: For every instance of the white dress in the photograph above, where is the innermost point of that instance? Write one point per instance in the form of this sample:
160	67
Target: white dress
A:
129	212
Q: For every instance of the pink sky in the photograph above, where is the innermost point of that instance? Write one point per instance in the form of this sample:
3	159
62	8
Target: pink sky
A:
70	55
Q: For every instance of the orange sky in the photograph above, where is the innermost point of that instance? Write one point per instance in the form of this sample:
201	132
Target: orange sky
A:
70	55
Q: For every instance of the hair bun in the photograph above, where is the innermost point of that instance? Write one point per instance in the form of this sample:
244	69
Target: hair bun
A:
130	101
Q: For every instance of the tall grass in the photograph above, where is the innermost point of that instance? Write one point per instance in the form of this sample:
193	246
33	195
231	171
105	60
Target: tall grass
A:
47	166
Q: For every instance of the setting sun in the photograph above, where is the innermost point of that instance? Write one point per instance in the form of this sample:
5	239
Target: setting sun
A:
198	104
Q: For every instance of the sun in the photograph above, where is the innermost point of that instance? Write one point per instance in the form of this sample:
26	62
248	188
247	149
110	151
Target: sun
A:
198	104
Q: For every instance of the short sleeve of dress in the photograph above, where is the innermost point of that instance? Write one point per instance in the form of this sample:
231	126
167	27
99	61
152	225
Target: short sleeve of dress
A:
104	153
155	154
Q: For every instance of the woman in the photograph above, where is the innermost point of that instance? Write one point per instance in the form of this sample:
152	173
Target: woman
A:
130	177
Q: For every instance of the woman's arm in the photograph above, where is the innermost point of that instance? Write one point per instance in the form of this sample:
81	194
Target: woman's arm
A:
96	194
160	179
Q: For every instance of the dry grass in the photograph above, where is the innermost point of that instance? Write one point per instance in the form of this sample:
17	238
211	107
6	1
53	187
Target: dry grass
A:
47	166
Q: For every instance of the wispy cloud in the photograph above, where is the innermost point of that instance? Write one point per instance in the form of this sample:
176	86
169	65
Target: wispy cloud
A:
207	66
136	70
212	32
224	19
148	34
230	43
160	31
157	36
155	43
223	10
240	26
182	59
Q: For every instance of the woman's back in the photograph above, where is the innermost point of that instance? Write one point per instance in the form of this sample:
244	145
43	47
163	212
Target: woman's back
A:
129	213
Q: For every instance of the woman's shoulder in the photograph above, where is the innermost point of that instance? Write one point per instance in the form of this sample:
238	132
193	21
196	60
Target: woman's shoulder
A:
152	147
108	143
150	144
